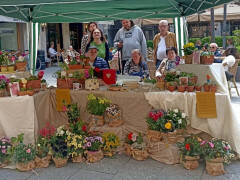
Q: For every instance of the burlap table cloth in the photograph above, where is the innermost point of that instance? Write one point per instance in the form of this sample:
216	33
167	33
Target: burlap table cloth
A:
18	75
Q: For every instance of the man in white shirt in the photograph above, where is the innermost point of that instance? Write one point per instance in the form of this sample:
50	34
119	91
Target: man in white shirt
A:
52	52
229	61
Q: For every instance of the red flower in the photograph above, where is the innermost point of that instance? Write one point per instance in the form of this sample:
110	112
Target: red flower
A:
40	74
97	70
84	128
208	77
155	117
150	114
130	136
1	53
187	147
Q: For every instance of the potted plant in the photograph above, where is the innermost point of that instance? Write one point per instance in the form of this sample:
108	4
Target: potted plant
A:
77	78
5	155
93	145
111	142
190	152
216	152
43	84
3	61
43	156
91	83
190	87
207	58
188	52
62	82
33	82
21	64
11	64
113	116
3	84
181	86
96	106
198	87
192	78
74	65
171	86
154	128
206	85
73	113
22	92
30	91
59	148
75	145
136	147
78	128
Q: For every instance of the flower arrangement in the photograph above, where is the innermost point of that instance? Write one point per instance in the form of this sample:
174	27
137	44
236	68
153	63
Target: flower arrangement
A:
154	119
190	146
5	145
48	131
59	143
24	153
133	138
4	58
78	128
217	148
75	144
93	143
3	82
97	105
188	48
111	141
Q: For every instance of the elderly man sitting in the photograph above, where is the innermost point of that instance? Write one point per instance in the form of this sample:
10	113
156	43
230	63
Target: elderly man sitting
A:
136	66
217	54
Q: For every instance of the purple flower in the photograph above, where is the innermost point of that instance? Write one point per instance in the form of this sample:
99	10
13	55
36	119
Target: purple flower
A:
89	144
211	144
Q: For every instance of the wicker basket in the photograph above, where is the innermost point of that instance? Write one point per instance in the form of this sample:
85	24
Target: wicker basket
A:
190	162
78	159
127	149
2	92
21	66
113	116
154	136
94	156
188	59
215	167
207	59
98	120
4	164
25	166
139	155
160	85
42	162
60	162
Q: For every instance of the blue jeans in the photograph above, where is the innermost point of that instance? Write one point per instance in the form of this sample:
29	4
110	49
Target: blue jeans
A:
217	61
158	63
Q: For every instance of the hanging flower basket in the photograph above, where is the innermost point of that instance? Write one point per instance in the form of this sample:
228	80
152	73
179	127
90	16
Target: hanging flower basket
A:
25	166
94	156
98	120
42	162
60	162
190	162
215	167
154	136
78	159
139	155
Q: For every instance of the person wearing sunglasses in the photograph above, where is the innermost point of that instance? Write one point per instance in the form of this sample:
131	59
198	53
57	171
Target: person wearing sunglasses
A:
217	53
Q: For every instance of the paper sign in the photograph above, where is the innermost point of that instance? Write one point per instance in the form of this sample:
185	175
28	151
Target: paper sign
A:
206	105
62	95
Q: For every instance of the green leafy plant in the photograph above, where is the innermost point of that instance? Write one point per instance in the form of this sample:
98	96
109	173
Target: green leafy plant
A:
3	82
63	66
190	146
78	128
93	143
170	77
154	120
153	81
188	48
217	148
150	43
73	113
73	62
24	153
31	78
78	75
4	61
5	150
43	81
111	141
190	83
97	105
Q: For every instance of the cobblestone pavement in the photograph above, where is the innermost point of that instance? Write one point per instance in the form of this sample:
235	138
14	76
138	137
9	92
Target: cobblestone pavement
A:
122	167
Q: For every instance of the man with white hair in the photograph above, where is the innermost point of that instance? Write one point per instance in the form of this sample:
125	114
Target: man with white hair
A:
217	54
162	41
71	52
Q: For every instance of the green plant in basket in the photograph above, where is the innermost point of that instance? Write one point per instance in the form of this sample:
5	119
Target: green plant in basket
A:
190	83
188	48
78	75
135	140
177	118
93	143
24	153
78	128
73	62
5	150
111	141
190	146
217	148
154	120
97	105
75	144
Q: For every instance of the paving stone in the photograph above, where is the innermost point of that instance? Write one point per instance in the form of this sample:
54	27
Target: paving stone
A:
8	174
90	175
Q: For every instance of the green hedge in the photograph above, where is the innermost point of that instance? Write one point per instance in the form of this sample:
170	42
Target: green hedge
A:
218	40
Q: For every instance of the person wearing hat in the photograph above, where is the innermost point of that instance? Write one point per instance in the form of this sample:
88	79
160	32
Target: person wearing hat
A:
94	60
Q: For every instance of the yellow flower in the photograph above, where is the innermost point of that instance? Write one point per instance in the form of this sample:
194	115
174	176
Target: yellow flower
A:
79	145
101	101
168	125
91	97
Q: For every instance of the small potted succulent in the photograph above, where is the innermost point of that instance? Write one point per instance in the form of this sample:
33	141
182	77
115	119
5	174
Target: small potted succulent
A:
93	145
190	87
111	143
190	152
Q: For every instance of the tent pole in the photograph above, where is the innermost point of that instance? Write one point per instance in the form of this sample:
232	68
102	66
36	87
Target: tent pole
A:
212	26
224	25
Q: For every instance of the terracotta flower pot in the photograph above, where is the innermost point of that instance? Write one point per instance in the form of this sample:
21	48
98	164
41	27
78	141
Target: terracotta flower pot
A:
62	84
25	166
11	68
206	87
4	69
193	79
190	162
34	84
215	167
198	88
190	88
213	88
30	92
22	93
75	66
171	88
21	66
60	162
181	88
94	156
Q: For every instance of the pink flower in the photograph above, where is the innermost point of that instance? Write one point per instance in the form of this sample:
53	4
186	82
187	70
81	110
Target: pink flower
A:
1	53
134	137
202	143
28	151
211	144
86	74
4	151
64	108
13	58
227	147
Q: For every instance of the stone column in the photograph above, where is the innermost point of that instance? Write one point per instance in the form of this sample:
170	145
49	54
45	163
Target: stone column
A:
66	35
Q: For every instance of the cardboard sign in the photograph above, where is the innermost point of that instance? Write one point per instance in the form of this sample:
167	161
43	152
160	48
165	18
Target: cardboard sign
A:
206	105
62	95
